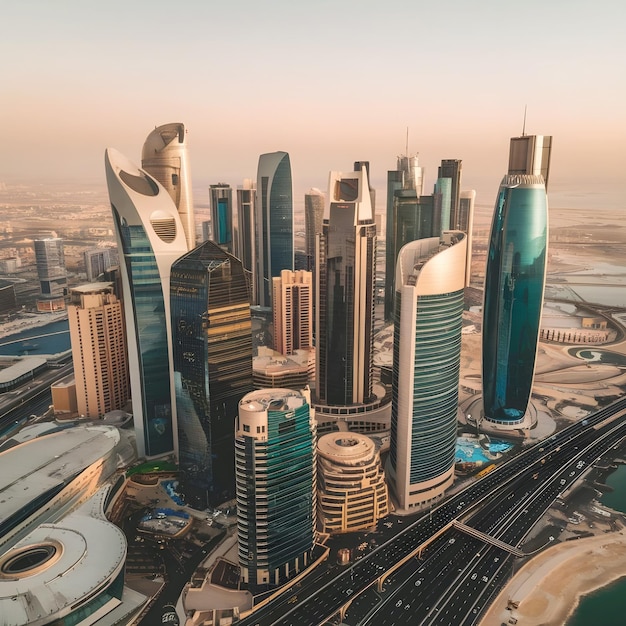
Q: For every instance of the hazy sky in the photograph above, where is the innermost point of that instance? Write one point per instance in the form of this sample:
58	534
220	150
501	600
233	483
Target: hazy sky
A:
329	81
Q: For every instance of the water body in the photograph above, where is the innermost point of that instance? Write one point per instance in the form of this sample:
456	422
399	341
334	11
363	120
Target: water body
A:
607	606
50	338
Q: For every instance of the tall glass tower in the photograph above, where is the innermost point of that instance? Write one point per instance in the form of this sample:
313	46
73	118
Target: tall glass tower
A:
165	157
212	352
221	202
345	287
276	486
430	278
150	237
274	219
513	299
246	233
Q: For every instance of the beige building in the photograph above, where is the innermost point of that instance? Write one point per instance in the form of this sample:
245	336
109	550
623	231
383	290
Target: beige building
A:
98	349
352	492
271	369
292	305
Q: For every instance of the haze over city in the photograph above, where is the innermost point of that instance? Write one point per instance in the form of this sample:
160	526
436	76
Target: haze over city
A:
329	82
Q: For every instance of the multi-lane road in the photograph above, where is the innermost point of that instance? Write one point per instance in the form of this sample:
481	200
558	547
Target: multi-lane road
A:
458	574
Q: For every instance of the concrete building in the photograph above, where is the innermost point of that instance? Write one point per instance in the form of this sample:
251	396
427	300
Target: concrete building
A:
276	495
99	354
274	222
272	369
165	157
292	306
345	286
150	237
212	353
430	279
352	494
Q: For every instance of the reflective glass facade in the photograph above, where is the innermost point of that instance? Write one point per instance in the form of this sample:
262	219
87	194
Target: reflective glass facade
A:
212	352
275	228
151	335
276	473
514	286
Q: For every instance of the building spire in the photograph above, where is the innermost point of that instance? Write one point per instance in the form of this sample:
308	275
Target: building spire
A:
524	125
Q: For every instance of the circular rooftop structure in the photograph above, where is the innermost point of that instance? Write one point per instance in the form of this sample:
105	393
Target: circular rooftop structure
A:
346	448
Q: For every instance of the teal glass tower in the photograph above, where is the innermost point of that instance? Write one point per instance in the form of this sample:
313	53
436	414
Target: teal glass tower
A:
212	354
274	221
275	464
513	298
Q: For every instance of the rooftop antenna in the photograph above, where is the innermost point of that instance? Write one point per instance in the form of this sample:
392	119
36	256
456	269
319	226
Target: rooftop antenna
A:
407	141
524	126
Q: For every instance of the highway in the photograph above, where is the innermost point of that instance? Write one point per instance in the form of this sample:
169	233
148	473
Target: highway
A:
459	575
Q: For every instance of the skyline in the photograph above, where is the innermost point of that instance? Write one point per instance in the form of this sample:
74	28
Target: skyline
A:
247	79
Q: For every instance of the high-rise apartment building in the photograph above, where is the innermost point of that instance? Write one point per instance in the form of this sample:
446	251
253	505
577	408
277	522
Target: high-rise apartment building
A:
513	298
292	306
150	237
50	260
276	486
246	235
314	203
274	221
97	262
165	157
345	287
212	353
98	341
222	223
430	278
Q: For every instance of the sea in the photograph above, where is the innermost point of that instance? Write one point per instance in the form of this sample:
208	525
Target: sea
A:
606	606
50	338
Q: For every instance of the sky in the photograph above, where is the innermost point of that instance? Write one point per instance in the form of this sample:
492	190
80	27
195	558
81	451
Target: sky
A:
329	81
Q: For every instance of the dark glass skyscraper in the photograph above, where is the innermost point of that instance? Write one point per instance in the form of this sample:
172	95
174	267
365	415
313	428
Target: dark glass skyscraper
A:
345	288
212	352
514	287
274	221
221	201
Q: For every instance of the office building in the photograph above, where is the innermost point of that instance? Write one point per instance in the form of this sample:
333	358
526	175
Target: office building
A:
352	493
98	340
150	237
292	305
443	201
452	168
314	202
246	235
430	278
274	222
97	262
165	157
276	478
212	353
345	286
50	260
365	165
221	203
513	297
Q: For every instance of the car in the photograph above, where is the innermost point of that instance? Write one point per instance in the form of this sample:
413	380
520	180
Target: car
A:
292	600
399	603
418	582
474	576
349	592
485	579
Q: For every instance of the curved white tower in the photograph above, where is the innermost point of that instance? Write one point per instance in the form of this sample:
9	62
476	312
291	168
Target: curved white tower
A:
430	277
164	156
150	237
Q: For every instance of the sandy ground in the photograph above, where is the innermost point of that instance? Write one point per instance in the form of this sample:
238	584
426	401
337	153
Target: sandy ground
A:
549	587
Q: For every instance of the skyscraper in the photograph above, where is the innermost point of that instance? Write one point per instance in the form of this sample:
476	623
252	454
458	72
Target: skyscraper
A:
430	277
150	237
164	156
314	202
274	219
98	342
292	304
451	168
212	353
97	262
246	235
465	221
513	298
345	287
443	202
221	202
530	154
50	260
276	496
